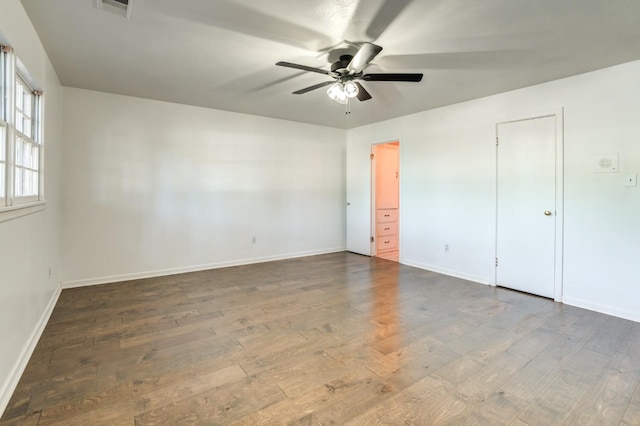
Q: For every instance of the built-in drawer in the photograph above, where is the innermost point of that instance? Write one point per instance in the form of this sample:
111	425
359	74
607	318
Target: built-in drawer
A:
388	242
386	228
386	215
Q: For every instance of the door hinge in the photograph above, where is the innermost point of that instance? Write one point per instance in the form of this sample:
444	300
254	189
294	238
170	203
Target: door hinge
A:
496	141
371	156
371	239
496	261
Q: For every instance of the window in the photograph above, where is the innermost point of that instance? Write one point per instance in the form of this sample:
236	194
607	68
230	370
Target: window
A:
26	168
20	136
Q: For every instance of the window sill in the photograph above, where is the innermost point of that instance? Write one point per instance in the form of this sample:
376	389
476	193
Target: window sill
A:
14	212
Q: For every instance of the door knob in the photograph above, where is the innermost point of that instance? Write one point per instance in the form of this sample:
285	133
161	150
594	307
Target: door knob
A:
547	213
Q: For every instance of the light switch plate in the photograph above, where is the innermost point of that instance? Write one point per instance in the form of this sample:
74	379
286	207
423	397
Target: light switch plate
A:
631	180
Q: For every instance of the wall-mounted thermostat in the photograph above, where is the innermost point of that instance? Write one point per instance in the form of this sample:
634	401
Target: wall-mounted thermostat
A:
605	163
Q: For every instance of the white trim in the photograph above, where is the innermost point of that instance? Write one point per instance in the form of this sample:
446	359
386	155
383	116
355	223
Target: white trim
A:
129	9
13	212
4	140
450	272
373	245
559	261
39	137
3	79
194	268
10	116
400	203
603	309
9	386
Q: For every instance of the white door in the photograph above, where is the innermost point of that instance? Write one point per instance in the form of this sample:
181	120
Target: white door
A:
359	198
526	216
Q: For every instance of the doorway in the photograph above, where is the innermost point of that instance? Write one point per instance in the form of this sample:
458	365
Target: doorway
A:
386	199
529	205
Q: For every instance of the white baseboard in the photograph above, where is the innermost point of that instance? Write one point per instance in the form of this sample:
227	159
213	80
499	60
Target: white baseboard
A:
7	388
603	309
450	272
194	268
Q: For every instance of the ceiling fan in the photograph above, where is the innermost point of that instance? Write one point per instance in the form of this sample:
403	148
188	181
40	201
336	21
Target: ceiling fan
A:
347	73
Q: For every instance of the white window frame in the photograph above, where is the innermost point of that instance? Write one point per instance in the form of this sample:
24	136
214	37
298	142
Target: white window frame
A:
26	144
3	129
3	163
12	201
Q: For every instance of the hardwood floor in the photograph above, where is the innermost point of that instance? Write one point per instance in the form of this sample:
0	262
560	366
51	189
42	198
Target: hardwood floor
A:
331	339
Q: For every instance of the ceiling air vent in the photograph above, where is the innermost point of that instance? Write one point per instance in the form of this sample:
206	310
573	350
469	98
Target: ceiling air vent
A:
119	7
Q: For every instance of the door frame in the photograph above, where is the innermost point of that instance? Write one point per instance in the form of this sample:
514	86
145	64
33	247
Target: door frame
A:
372	189
558	114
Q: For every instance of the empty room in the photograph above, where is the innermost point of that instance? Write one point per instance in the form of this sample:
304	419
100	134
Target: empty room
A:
319	212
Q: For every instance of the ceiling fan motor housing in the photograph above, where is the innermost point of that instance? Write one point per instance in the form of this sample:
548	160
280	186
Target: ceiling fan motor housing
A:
341	65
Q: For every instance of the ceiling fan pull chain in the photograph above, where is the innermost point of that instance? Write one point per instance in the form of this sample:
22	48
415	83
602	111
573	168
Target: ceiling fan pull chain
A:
348	107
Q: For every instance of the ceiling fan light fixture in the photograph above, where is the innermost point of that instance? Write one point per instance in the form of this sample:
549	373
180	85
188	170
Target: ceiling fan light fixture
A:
351	89
342	98
337	93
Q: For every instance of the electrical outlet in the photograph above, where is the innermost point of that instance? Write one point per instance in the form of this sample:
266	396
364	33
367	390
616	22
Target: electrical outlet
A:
253	240
446	248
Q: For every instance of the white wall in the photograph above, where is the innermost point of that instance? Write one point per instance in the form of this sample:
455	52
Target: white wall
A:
448	184
153	188
29	245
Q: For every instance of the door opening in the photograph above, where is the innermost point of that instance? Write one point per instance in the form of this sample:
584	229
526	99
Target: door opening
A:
386	199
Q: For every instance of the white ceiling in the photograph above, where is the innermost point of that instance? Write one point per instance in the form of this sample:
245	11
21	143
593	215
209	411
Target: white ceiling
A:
222	53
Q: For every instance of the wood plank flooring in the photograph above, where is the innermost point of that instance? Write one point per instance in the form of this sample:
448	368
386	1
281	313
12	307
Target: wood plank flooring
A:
332	339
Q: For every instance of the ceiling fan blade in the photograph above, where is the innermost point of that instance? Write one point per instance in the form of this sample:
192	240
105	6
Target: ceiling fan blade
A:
365	54
363	95
302	67
411	78
314	87
389	10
